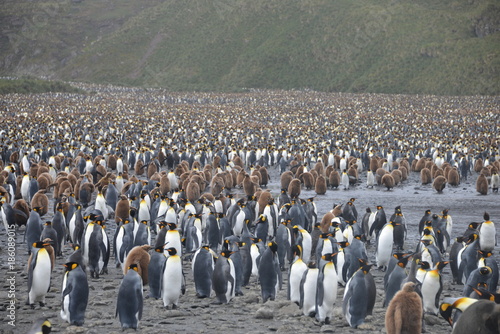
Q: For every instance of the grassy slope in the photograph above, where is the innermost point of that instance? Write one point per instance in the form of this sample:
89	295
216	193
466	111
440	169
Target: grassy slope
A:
342	45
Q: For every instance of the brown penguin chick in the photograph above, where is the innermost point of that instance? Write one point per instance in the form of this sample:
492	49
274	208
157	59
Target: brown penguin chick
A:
264	199
41	201
320	185
22	206
453	177
164	184
374	164
397	175
19	180
122	210
307	179
101	172
193	191
420	164
429	164
62	187
388	181
240	177
486	171
481	317
139	167
379	173
249	187
285	179
334	179
404	173
228	179
112	161
294	188
425	176
478	166
256	172
438	172
439	183
152	168
216	162
264	176
482	184
319	168
353	174
238	162
299	171
104	181
314	174
207	170
208	197
217	185
326	222
139	255
328	170
404	313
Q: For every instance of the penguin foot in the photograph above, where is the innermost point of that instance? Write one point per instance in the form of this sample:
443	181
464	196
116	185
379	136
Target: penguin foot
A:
32	306
174	307
238	293
42	304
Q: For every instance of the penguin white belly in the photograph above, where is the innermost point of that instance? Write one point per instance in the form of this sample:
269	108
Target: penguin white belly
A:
86	240
309	297
65	302
172	281
340	265
41	278
170	216
254	254
173	239
238	225
325	310
306	246
296	272
230	286
430	288
384	247
487	237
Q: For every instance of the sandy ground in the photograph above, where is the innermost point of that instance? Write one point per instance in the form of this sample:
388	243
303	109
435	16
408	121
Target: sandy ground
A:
247	313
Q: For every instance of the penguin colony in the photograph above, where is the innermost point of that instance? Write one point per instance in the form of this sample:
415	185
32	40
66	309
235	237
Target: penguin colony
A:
179	194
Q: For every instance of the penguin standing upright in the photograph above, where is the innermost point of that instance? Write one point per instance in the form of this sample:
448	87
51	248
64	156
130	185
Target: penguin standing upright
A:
224	278
203	267
303	238
326	293
308	289
297	269
59	224
487	234
33	230
39	273
49	232
385	242
269	272
155	272
130	299
95	245
356	302
404	314
75	294
432	285
173	279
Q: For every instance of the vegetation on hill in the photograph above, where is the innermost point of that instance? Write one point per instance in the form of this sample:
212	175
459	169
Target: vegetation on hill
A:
449	47
27	85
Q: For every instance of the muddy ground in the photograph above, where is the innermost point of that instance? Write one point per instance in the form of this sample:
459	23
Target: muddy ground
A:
247	313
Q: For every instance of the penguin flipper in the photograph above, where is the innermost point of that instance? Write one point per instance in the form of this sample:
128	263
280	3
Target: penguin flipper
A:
302	281
320	290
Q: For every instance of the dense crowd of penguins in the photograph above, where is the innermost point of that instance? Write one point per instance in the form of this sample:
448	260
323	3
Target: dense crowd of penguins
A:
186	183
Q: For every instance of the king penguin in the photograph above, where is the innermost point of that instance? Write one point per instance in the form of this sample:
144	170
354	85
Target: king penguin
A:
39	273
308	289
269	272
75	294
356	302
326	293
203	267
487	234
155	272
404	314
130	300
173	279
224	278
480	317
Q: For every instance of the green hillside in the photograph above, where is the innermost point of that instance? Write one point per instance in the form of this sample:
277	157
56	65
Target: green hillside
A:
447	47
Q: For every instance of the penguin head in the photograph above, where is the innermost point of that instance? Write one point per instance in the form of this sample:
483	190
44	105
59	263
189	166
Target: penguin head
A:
70	266
172	251
133	267
41	326
39	244
273	246
424	265
485	271
328	257
226	253
159	249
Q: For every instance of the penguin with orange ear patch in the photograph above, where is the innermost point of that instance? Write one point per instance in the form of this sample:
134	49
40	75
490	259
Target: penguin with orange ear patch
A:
130	299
